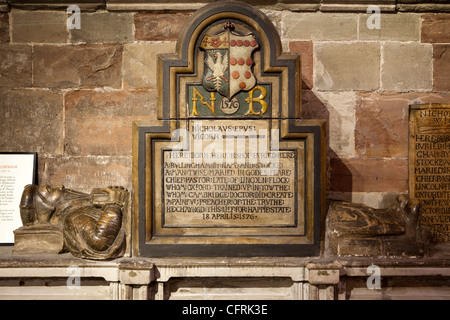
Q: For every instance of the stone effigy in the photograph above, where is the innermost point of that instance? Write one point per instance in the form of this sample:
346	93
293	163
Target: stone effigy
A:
56	219
357	229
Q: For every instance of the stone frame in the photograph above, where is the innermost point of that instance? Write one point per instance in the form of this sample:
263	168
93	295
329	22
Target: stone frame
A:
292	129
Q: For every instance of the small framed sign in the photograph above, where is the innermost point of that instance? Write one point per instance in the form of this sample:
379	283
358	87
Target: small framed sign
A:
17	169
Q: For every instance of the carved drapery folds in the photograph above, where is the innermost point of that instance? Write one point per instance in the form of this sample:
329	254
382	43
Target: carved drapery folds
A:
56	219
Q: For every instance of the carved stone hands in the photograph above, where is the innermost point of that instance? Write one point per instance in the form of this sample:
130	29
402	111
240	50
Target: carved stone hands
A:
112	195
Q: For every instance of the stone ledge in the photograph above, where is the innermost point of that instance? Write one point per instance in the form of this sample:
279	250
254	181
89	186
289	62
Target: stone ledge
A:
424	7
4	6
151	6
337	7
138	278
178	6
46	260
438	259
85	5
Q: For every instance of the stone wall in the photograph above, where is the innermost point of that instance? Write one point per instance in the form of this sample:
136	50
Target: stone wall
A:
72	95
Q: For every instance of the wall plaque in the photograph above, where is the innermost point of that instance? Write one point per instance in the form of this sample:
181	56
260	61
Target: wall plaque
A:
429	166
229	168
17	169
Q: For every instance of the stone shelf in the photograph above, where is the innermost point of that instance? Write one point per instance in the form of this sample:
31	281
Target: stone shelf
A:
49	276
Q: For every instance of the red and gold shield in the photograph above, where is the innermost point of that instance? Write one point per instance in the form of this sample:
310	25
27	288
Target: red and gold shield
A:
228	62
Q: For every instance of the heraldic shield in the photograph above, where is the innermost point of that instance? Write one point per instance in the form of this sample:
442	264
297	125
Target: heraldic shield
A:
228	62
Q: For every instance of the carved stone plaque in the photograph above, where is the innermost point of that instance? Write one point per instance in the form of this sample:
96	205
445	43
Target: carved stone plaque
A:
226	170
429	166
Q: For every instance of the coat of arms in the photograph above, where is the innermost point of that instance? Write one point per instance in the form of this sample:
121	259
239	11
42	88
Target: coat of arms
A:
228	61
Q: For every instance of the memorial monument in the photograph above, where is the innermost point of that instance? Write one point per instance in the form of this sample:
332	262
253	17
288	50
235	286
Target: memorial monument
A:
354	229
229	168
56	219
229	179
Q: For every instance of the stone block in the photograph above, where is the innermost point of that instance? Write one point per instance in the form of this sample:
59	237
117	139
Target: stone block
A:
381	126
368	175
36	239
435	28
4	7
347	66
394	27
320	26
441	67
31	120
77	65
406	66
338	109
85	173
274	15
140	63
4	27
377	200
15	65
136	277
323	273
313	107
423	6
382	121
85	5
305	49
356	5
158	27
295	5
155	6
99	123
38	26
104	27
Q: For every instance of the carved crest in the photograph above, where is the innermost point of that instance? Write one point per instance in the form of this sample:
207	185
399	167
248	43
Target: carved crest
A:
228	62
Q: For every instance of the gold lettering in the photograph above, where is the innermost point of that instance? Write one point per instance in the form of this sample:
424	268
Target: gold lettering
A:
259	100
211	106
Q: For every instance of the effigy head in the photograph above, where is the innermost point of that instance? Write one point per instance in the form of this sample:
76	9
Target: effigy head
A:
37	203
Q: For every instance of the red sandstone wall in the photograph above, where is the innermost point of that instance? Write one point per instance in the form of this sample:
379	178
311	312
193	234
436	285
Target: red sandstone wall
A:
72	95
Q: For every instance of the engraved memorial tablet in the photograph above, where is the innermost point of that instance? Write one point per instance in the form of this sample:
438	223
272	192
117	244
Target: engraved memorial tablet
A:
228	169
429	166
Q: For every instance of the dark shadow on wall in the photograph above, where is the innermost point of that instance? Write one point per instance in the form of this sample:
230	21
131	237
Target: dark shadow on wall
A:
339	176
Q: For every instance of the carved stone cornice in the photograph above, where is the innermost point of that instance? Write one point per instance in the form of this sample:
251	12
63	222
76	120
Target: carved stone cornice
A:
178	5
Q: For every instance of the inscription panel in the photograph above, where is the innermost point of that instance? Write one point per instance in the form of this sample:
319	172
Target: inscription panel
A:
224	180
429	158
